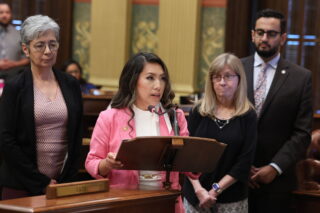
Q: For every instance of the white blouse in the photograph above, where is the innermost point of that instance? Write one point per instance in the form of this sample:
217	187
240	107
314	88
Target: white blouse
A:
147	124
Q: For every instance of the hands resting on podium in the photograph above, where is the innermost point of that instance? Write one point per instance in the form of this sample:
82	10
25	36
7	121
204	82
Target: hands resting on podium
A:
108	164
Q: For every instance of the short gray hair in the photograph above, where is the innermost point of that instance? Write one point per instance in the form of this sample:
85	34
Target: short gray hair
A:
34	26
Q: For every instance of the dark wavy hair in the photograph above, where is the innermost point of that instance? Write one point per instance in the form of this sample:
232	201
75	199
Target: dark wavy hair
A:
126	95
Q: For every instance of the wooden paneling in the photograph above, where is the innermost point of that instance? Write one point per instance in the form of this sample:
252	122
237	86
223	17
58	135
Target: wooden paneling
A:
146	2
178	41
110	31
238	37
281	6
214	3
59	10
86	1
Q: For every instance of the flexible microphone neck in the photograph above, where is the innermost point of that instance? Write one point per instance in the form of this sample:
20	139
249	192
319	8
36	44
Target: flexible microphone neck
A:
175	123
153	109
175	120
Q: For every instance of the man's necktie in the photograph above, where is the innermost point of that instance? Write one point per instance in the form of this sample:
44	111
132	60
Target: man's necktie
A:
260	90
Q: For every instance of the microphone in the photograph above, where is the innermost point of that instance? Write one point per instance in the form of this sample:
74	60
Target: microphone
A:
174	113
153	109
175	123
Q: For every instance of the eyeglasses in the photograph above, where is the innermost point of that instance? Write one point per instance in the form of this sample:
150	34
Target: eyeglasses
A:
270	33
41	46
217	78
73	72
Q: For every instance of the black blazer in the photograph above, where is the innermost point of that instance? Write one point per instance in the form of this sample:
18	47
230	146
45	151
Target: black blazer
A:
19	168
285	122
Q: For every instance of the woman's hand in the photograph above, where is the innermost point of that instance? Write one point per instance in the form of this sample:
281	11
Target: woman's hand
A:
109	163
213	194
205	199
53	181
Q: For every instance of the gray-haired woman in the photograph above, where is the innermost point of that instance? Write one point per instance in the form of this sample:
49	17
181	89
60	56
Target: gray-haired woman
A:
40	117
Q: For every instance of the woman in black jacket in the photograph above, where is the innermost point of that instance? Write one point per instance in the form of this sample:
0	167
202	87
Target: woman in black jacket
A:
40	117
225	114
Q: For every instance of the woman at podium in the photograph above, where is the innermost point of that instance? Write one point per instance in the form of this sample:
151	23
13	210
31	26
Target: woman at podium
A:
40	117
144	82
225	114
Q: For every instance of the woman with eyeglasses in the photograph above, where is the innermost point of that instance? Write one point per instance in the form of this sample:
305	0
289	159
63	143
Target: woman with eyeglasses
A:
73	68
225	114
144	82
40	117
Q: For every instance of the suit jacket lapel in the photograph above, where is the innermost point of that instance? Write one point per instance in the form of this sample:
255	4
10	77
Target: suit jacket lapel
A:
248	67
278	80
27	101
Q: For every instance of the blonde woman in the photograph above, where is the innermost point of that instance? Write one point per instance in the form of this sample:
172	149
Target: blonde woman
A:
225	114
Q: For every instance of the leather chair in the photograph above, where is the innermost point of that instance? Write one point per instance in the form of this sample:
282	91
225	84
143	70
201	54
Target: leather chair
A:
308	170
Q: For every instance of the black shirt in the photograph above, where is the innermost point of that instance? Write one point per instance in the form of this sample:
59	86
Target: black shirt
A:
240	136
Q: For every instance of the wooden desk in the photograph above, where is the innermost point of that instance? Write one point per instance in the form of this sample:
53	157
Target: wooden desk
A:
316	121
114	201
92	106
186	109
307	201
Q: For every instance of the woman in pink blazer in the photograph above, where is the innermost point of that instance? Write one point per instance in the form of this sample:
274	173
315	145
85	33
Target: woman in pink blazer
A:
144	82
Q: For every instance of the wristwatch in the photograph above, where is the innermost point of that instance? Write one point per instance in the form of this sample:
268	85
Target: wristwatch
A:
216	188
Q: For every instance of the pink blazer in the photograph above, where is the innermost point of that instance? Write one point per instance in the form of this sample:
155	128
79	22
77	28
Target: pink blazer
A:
110	129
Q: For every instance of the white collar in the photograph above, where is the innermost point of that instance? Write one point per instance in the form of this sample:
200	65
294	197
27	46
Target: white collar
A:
154	115
258	61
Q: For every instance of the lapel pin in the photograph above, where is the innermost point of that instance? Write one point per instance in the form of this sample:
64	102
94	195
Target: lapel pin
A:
125	128
283	72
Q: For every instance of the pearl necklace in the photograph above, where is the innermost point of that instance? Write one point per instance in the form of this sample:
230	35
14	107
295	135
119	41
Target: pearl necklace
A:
221	123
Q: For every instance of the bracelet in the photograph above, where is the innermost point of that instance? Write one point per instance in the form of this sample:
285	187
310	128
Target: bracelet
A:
216	187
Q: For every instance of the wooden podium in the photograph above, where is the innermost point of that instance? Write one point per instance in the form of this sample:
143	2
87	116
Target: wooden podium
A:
170	153
114	201
183	154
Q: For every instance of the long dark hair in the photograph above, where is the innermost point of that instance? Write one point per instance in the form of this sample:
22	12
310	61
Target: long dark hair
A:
125	97
68	63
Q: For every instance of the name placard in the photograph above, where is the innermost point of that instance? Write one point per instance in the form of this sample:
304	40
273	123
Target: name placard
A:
77	188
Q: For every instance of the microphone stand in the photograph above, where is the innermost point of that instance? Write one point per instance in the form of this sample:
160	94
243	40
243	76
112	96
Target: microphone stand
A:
170	155
175	123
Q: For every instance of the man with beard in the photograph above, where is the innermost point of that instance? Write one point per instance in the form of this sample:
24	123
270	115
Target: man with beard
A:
11	55
281	93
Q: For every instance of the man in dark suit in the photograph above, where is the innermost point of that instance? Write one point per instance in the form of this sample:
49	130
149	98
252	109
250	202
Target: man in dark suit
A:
281	93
